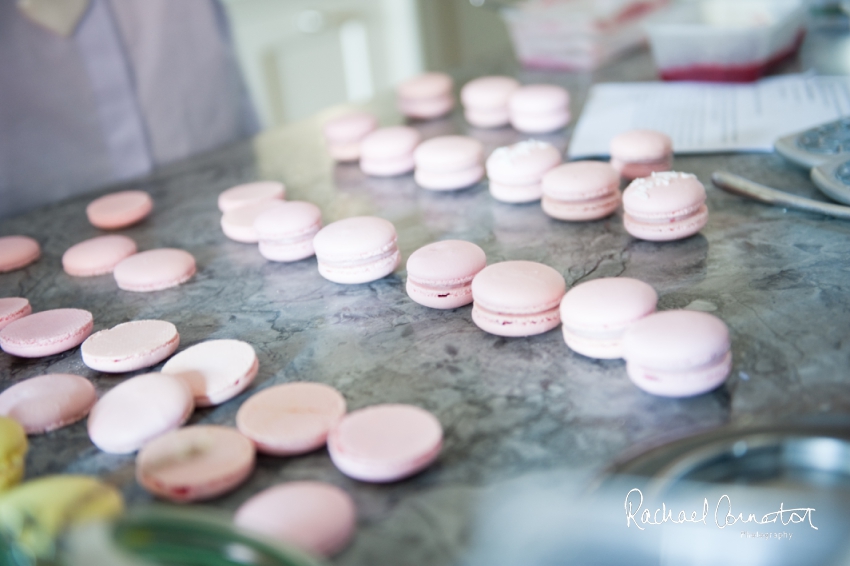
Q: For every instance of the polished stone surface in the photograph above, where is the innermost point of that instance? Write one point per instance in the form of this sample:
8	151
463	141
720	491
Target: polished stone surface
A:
509	407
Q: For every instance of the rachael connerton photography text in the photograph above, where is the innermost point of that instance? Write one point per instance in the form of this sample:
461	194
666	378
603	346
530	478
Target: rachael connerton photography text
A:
724	514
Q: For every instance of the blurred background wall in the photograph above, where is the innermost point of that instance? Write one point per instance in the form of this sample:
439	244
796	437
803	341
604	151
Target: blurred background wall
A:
300	56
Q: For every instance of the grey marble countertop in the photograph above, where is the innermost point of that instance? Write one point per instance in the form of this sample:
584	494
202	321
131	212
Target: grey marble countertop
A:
509	407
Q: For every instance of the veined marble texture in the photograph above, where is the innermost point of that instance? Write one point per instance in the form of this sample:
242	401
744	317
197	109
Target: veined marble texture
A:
509	407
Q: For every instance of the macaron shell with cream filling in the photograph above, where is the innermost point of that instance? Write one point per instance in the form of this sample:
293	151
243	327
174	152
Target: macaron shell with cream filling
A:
389	151
665	206
46	333
130	346
286	232
357	250
426	96
195	463
97	256
136	411
439	275
449	162
119	210
48	402
316	517
522	163
13	308
154	270
677	353
517	298
595	314
641	146
17	252
539	108
238	223
485	100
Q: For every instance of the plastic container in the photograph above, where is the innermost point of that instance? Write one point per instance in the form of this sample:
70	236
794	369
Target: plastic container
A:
577	34
725	40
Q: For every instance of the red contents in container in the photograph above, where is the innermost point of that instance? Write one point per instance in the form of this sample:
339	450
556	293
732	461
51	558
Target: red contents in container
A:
733	73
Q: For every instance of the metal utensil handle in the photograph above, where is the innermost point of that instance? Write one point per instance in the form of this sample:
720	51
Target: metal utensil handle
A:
741	186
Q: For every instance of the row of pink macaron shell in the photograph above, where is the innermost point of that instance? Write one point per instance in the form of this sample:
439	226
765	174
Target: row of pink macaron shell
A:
489	102
675	353
382	443
511	298
151	270
532	170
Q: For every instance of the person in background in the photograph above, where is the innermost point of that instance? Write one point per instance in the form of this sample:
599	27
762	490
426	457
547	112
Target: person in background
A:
94	92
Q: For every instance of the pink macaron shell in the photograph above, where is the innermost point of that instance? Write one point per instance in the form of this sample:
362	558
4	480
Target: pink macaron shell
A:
286	252
390	167
487	117
581	211
290	419
195	463
425	86
637	170
136	411
46	333
119	210
97	256
679	352
447	154
48	402
427	109
580	181
449	181
357	250
250	193
316	517
595	314
388	152
440	274
290	220
385	443
492	92
522	163
13	308
286	232
540	123
517	298
539	99
215	370
154	270
17	252
238	224
389	143
349	128
641	146
515	194
130	346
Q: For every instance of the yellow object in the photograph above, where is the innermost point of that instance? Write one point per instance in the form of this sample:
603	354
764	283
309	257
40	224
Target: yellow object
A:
36	512
13	451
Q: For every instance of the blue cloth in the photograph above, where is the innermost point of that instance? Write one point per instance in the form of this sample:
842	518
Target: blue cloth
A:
140	83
